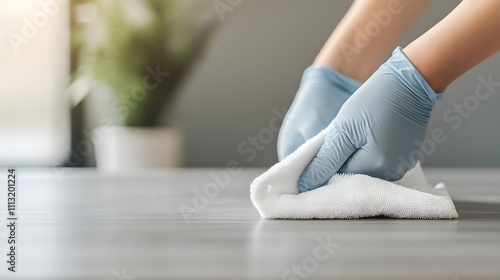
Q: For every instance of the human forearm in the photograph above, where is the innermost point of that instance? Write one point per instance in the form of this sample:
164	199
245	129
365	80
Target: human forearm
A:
367	34
467	36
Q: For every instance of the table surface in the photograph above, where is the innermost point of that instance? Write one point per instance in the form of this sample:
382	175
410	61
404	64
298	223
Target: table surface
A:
79	224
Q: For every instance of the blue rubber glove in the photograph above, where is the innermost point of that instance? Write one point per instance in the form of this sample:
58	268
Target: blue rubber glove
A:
379	130
321	93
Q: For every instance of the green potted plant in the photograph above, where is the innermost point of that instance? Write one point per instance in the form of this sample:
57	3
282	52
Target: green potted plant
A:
141	50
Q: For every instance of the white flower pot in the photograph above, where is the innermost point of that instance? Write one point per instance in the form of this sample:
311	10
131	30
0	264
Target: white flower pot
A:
121	148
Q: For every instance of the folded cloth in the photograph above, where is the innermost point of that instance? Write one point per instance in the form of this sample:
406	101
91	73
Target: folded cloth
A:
346	196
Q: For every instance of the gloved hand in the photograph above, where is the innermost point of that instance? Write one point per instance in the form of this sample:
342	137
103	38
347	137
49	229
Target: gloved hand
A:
321	94
379	130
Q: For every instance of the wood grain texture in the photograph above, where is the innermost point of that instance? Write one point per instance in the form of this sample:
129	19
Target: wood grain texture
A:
83	225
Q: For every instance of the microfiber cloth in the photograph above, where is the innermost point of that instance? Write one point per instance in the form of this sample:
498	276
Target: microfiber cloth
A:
346	196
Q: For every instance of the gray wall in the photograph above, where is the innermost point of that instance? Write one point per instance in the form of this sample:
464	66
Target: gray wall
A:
254	64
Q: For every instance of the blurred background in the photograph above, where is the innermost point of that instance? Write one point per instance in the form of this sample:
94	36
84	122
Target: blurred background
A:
195	83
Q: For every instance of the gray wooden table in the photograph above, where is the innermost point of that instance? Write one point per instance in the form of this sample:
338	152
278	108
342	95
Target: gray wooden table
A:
77	224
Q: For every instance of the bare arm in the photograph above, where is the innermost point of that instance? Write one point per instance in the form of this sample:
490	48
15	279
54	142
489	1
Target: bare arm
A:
464	38
367	34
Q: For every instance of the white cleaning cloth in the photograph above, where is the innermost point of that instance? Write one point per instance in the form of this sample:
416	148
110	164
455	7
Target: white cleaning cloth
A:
275	193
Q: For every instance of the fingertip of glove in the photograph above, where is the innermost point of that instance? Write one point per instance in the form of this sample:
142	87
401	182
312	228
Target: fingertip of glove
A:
301	186
305	182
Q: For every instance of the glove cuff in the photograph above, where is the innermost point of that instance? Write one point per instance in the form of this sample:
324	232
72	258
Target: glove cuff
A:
347	84
411	76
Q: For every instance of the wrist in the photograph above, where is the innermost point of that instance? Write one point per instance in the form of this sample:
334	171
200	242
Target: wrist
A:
412	77
427	66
